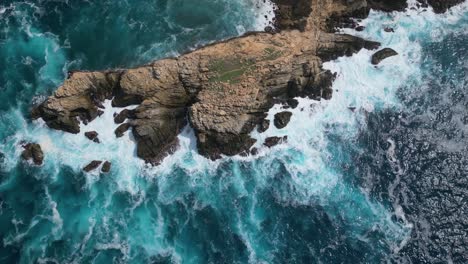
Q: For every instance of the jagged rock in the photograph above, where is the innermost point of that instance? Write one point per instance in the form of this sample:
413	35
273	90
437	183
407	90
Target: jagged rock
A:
33	151
123	115
388	5
254	151
106	167
273	141
360	28
120	130
282	119
264	125
92	135
293	103
92	165
382	54
224	89
440	6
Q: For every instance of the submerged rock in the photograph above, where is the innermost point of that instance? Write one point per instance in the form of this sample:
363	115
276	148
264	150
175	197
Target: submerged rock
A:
381	55
282	119
273	141
92	165
93	136
33	151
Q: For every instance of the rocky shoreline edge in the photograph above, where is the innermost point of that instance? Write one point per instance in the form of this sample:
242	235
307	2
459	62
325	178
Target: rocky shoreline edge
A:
223	90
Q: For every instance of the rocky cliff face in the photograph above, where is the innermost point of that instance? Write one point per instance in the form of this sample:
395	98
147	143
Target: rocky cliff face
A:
223	90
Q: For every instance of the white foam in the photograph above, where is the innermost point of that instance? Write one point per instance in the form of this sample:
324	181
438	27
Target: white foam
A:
264	10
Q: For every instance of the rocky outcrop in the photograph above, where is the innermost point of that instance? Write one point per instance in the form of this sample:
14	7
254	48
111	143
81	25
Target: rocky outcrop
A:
382	54
124	115
282	119
263	126
93	136
106	167
33	151
273	141
92	165
120	130
440	6
222	90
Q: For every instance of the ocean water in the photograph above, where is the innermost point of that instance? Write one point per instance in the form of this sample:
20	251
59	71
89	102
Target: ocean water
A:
375	174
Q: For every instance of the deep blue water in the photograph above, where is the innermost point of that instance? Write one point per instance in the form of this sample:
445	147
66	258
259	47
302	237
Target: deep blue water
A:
386	182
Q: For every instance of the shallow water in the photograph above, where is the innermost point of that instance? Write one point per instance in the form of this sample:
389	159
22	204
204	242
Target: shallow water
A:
348	187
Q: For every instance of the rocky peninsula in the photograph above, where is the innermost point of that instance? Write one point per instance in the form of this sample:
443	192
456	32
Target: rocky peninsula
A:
222	90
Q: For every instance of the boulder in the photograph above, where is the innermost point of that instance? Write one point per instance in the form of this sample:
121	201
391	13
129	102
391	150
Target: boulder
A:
123	115
293	103
264	125
282	119
93	136
92	165
120	130
382	54
106	167
254	151
273	141
33	151
360	28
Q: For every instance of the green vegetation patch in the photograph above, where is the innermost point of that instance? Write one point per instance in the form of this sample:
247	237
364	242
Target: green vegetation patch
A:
230	70
272	54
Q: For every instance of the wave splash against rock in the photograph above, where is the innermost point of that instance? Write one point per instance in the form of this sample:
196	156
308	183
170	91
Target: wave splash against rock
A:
223	90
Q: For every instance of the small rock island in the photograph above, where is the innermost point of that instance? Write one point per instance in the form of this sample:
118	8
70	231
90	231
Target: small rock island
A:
222	90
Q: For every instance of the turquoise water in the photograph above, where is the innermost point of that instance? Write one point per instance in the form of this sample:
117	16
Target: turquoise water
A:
307	201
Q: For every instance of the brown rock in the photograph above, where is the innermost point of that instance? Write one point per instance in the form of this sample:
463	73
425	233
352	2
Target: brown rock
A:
33	151
92	165
273	141
120	130
223	90
92	135
282	119
123	115
264	125
440	6
106	167
382	55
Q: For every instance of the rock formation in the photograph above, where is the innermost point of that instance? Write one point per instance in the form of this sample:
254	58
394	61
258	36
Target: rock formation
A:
273	141
222	90
440	6
93	136
282	119
92	165
33	151
382	54
106	167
